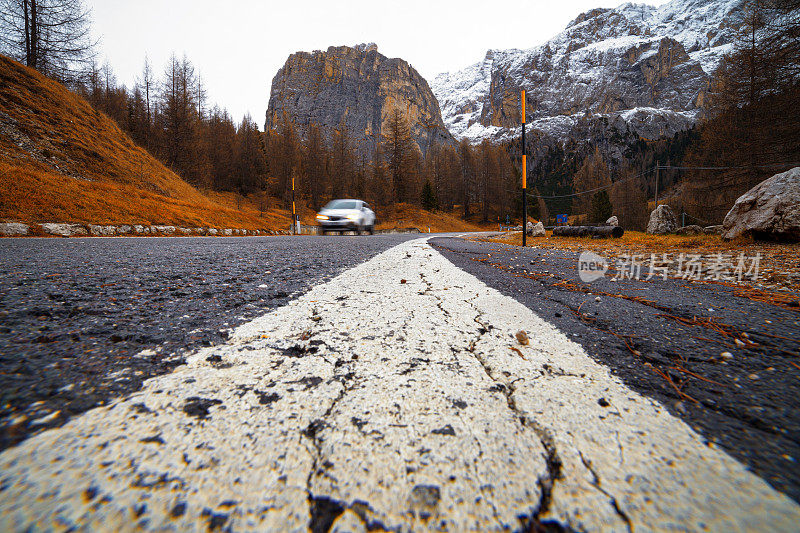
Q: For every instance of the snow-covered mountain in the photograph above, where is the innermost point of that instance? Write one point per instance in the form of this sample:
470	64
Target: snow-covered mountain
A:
642	67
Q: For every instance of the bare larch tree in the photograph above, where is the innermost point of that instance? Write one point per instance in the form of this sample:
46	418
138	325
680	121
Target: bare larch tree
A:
52	36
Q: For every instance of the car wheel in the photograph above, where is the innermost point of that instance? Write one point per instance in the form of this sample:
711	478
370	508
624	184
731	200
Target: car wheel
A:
359	229
371	230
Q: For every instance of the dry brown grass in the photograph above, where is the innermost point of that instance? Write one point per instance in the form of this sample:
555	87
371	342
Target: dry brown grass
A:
779	263
410	216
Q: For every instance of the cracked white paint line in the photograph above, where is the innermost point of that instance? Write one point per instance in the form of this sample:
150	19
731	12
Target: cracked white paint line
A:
401	402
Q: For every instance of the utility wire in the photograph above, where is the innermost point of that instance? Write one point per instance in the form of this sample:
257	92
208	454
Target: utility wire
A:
660	167
773	165
592	190
695	218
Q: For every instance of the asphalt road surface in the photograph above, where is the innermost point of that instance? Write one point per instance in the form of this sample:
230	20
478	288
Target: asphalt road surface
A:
664	339
398	394
83	321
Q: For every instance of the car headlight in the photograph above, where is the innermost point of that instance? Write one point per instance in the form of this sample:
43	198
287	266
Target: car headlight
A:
322	217
352	216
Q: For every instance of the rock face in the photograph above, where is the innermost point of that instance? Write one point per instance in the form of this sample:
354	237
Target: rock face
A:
357	87
770	210
631	63
662	221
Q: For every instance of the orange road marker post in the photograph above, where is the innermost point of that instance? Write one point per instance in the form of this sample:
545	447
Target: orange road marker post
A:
524	179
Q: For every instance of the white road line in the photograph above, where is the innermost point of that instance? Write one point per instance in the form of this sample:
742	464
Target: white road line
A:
391	391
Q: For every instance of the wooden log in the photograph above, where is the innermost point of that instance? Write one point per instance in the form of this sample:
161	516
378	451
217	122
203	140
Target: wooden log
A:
614	232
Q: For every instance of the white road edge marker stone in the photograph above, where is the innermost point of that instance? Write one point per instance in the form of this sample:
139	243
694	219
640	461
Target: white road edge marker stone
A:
405	404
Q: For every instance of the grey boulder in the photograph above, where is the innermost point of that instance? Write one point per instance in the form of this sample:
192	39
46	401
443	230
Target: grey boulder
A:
662	221
690	230
537	230
102	230
770	210
163	230
14	228
63	229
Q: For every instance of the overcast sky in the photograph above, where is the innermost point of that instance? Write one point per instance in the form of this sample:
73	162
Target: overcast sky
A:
239	45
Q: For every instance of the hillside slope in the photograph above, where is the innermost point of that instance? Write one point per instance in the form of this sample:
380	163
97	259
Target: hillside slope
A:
61	160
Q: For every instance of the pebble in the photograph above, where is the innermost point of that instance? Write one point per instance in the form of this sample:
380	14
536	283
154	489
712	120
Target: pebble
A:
597	299
46	419
726	355
753	376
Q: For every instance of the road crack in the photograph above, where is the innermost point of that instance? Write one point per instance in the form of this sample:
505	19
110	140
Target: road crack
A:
552	460
613	500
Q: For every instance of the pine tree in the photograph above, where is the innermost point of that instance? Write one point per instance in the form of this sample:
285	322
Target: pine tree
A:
52	36
592	174
428	197
316	164
601	207
466	155
398	149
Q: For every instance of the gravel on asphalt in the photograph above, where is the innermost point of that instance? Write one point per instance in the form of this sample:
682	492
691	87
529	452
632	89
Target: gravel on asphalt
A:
83	321
725	364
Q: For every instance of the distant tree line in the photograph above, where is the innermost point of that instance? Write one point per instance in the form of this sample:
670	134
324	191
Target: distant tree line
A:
168	115
477	180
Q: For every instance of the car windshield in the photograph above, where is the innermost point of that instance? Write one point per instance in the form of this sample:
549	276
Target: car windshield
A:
342	204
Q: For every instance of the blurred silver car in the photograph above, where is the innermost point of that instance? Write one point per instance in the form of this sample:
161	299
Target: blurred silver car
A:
346	215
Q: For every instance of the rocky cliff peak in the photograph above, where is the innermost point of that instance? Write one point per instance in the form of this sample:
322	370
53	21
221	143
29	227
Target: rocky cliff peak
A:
358	87
620	64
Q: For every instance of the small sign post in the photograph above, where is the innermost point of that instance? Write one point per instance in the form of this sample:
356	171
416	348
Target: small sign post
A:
561	219
295	229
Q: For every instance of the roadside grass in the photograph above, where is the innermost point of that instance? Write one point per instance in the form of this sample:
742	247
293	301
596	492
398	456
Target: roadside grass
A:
779	265
403	215
36	195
